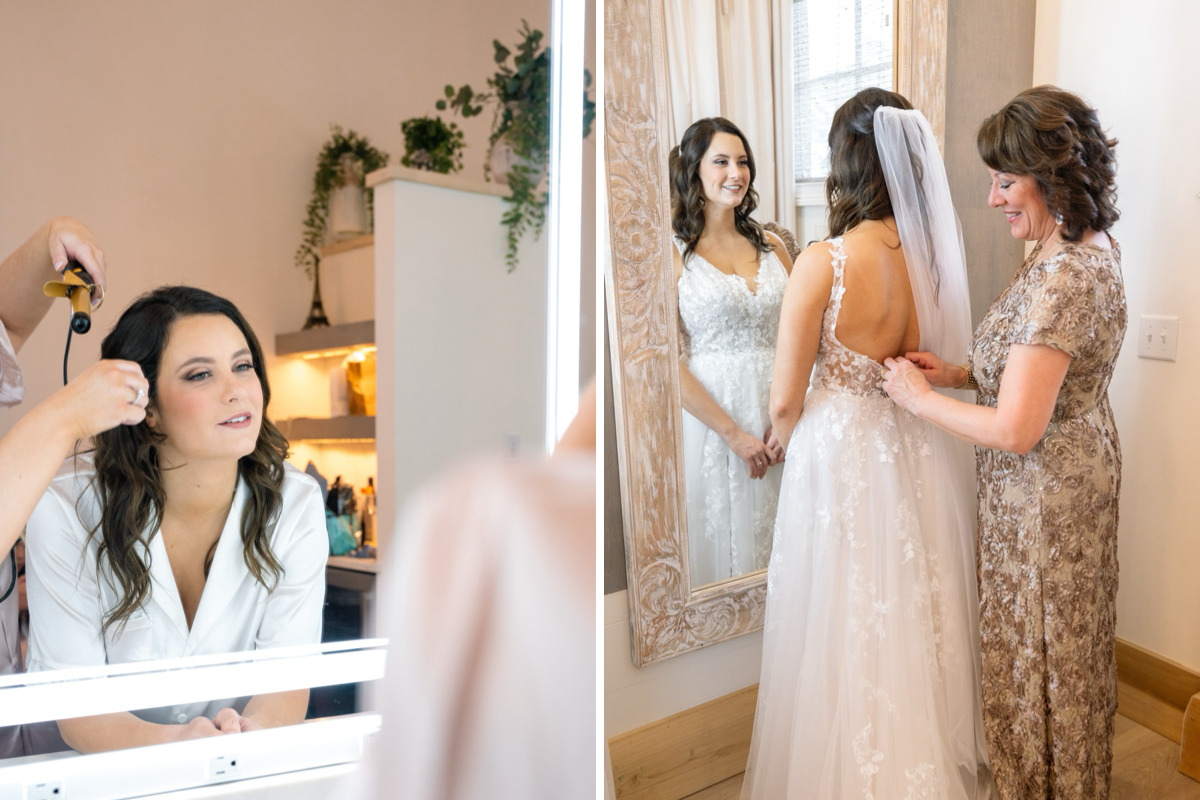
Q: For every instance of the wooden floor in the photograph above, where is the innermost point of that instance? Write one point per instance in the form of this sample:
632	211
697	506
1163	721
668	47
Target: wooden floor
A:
1145	767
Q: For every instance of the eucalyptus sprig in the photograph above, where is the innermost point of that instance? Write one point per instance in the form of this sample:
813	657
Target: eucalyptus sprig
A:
324	179
520	96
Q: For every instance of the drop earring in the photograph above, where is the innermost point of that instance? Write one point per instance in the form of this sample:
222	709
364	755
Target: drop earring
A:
1058	218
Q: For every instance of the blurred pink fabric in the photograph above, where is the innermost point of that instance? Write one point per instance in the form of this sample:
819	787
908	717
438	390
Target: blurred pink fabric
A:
489	603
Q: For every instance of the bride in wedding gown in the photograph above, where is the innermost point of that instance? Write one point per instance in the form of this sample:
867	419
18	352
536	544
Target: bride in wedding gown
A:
870	673
730	275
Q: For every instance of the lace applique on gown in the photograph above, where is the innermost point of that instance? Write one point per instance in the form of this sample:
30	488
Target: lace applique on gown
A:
870	684
728	341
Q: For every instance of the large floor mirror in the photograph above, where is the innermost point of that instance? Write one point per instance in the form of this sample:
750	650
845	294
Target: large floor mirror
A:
676	606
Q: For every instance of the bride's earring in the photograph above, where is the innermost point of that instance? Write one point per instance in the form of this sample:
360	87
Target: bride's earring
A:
1058	218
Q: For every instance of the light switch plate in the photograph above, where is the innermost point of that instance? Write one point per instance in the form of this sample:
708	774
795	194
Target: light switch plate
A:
1158	337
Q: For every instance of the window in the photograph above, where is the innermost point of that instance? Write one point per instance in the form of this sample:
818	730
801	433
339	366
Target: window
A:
840	47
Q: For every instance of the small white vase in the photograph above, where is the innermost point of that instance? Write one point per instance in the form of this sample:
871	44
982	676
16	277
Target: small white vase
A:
502	159
348	201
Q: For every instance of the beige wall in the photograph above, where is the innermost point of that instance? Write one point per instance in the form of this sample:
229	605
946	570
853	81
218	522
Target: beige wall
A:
989	58
1137	64
185	134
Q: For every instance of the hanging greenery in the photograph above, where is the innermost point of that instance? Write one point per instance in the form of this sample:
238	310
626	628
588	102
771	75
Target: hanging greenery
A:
520	97
324	179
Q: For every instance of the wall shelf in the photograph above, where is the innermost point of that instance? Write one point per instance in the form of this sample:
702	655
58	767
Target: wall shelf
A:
357	428
366	240
332	337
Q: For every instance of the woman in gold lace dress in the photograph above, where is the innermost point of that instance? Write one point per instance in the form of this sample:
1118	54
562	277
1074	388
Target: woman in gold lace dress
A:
1048	458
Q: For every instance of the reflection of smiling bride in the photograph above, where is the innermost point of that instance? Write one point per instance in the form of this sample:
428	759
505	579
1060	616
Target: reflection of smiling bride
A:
730	276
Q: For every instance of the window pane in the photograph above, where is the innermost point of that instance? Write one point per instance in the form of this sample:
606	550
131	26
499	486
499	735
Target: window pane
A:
840	46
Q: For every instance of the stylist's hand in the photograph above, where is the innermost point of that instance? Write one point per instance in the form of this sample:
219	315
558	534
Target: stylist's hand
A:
904	383
938	372
107	394
70	239
751	450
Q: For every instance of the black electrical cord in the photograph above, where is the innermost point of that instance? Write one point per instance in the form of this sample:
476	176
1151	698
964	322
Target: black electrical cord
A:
66	354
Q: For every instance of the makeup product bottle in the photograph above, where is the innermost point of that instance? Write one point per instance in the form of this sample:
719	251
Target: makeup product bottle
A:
368	512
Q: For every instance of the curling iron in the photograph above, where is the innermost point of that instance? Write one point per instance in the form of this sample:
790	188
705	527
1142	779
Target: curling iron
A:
76	285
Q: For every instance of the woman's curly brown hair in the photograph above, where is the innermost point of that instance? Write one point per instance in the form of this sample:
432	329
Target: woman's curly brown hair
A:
128	476
687	194
856	189
1055	138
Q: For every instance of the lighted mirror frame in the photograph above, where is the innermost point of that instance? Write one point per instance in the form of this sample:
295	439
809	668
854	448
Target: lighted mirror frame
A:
563	284
138	771
667	617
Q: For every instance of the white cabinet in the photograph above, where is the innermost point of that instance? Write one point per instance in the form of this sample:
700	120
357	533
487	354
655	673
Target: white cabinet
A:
462	341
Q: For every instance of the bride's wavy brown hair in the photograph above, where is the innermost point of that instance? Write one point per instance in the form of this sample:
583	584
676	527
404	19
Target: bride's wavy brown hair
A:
687	195
856	189
128	477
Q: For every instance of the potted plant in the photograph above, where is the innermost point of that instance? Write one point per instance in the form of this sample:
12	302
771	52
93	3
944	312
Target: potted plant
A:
329	171
431	144
345	159
520	97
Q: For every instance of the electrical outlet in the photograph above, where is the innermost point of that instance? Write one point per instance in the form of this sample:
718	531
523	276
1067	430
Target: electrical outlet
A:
221	768
50	790
1158	337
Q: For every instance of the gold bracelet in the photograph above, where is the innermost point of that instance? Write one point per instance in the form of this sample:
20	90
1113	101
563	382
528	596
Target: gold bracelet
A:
970	382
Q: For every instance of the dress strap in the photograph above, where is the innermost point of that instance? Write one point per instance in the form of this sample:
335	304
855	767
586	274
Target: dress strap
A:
838	263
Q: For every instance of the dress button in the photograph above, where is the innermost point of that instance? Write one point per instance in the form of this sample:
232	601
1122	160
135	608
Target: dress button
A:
182	718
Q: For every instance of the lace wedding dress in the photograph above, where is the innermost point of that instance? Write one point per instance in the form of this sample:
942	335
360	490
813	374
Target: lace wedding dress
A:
727	335
870	675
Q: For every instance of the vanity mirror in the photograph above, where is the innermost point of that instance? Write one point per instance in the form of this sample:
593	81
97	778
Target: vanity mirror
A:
173	196
670	611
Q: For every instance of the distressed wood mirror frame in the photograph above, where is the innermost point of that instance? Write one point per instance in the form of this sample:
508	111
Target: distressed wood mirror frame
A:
667	617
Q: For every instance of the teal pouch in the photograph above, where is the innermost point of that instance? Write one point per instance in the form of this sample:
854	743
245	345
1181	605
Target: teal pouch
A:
341	538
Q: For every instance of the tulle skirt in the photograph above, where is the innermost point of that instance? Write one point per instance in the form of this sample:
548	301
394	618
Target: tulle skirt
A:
870	671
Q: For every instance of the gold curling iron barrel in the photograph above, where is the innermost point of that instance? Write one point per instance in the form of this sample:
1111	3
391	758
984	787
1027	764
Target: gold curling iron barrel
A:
76	285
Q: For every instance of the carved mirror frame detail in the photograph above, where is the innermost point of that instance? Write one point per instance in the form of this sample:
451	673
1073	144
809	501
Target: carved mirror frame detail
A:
667	617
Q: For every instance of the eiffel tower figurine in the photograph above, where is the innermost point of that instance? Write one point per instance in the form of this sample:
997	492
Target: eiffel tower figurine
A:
316	314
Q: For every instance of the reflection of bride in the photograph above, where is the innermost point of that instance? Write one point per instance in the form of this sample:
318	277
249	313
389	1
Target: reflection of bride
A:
183	535
730	276
870	668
